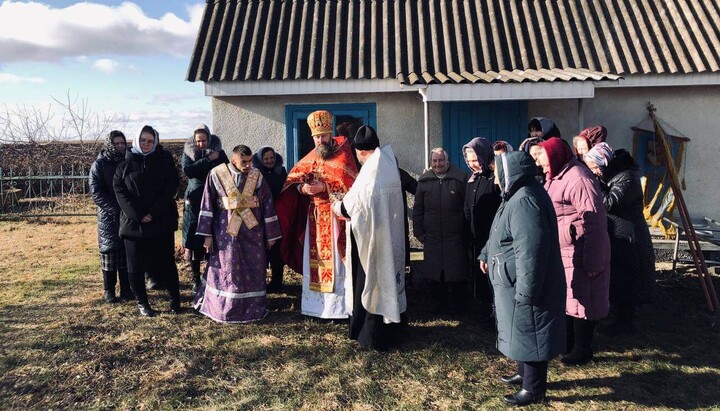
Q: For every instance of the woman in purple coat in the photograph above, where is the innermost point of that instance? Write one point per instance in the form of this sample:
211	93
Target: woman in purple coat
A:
584	244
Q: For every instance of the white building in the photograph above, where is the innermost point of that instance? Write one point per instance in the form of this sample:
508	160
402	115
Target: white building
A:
437	73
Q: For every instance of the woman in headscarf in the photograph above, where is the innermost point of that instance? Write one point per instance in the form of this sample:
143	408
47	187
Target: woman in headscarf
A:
522	259
112	249
439	223
531	145
543	127
202	152
145	186
270	164
587	139
584	244
482	199
632	259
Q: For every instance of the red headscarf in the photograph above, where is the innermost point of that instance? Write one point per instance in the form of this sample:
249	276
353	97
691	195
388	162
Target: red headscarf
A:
558	153
594	135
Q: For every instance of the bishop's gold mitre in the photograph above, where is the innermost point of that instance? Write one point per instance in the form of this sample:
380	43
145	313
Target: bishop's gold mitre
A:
320	122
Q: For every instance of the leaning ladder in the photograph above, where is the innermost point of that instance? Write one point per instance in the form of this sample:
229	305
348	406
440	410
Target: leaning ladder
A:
693	243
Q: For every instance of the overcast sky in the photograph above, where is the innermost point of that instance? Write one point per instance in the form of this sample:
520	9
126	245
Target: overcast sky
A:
128	58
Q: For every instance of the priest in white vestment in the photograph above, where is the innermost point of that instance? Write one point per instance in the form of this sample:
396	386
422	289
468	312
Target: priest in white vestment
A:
375	217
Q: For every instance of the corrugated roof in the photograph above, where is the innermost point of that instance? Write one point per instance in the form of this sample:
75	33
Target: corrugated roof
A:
454	41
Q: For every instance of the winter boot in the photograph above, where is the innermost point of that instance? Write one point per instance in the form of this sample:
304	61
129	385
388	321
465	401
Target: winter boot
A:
109	282
582	352
126	293
145	310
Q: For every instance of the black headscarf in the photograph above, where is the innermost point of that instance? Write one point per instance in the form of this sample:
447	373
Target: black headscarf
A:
109	148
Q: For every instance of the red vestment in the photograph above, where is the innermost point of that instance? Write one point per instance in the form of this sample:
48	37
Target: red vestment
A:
293	210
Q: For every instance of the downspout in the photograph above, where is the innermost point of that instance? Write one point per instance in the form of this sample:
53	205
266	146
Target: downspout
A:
581	114
426	119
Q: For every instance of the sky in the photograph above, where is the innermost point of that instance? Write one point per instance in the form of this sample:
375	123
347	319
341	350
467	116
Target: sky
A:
125	59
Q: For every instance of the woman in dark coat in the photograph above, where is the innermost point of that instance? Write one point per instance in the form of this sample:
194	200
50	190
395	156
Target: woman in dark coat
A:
270	164
202	152
482	199
522	259
632	259
112	250
145	186
439	223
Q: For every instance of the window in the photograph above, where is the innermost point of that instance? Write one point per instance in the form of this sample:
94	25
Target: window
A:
298	138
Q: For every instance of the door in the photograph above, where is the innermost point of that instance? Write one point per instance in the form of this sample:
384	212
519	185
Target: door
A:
298	138
494	120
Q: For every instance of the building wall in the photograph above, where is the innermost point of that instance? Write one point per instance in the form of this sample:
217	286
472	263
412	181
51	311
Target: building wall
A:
260	121
694	111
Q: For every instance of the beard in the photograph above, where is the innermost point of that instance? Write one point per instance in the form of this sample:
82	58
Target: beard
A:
324	150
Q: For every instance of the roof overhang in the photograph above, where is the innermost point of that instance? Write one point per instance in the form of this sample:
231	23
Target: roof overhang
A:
525	90
514	91
302	87
432	92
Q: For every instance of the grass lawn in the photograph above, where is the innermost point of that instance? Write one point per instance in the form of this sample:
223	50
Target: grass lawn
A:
61	348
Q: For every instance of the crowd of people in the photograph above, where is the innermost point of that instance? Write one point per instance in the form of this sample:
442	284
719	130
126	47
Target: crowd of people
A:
549	240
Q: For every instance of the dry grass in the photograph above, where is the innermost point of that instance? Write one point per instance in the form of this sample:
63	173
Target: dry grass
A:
61	348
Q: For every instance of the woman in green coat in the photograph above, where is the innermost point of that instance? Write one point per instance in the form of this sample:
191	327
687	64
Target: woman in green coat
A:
522	259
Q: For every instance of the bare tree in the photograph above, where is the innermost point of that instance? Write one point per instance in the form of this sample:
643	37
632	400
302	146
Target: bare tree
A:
67	132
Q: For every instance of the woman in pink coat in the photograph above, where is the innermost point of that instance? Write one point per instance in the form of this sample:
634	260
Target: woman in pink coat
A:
584	244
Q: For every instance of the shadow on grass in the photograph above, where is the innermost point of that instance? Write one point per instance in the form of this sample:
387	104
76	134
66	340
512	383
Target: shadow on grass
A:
659	388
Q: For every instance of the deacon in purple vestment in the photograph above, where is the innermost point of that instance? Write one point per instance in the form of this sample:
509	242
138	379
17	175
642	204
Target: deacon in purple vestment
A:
238	220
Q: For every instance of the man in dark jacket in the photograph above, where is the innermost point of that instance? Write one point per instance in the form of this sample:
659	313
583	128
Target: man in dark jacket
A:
482	199
112	249
522	259
145	186
202	152
270	164
439	223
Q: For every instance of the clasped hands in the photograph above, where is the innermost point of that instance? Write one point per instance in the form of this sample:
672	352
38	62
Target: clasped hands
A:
312	189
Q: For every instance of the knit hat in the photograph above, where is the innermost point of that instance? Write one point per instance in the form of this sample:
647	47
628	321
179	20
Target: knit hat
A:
366	139
558	152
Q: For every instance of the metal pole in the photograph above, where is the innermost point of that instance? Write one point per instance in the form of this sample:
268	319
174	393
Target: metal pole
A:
581	114
426	119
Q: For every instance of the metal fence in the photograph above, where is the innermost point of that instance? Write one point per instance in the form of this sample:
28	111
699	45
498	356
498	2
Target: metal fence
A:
34	193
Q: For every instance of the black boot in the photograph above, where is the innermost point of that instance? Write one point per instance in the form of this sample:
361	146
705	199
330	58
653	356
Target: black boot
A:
582	352
145	310
126	293
195	265
175	307
516	379
109	282
109	297
569	334
524	397
277	267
